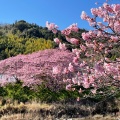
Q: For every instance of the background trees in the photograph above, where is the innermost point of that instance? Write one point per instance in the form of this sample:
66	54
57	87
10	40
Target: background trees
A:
22	37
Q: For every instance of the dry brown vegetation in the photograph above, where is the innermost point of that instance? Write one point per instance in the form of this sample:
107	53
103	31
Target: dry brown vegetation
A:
83	110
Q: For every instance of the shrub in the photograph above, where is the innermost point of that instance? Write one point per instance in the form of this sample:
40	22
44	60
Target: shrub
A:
16	91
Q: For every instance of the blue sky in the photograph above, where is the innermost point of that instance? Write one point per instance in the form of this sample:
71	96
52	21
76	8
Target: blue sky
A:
61	12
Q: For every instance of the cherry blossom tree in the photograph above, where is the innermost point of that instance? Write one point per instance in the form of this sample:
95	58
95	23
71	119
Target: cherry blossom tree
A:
36	68
99	67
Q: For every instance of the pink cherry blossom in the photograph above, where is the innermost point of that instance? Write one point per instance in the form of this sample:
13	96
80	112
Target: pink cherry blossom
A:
107	7
73	27
67	38
70	67
30	68
97	69
62	46
75	60
114	38
84	15
51	26
83	47
93	91
74	80
86	36
56	40
116	7
69	87
56	70
74	41
65	71
86	85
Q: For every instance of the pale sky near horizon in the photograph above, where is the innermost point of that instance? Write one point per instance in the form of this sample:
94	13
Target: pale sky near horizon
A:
61	12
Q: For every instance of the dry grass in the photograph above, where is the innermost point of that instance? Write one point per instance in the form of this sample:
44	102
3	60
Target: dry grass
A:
99	117
42	111
36	106
27	111
28	107
29	116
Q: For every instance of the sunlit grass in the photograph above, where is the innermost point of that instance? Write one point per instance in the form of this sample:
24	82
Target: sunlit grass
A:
35	110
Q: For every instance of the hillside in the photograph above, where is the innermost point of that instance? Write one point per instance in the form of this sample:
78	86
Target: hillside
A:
22	37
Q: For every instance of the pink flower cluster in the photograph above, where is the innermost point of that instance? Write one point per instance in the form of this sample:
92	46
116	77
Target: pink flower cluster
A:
36	67
109	14
96	70
71	28
51	26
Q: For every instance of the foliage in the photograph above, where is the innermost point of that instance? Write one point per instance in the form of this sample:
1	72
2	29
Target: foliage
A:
33	45
30	30
21	37
12	45
17	91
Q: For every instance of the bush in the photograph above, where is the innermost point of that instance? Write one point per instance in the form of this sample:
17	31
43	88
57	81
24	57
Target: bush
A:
16	91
